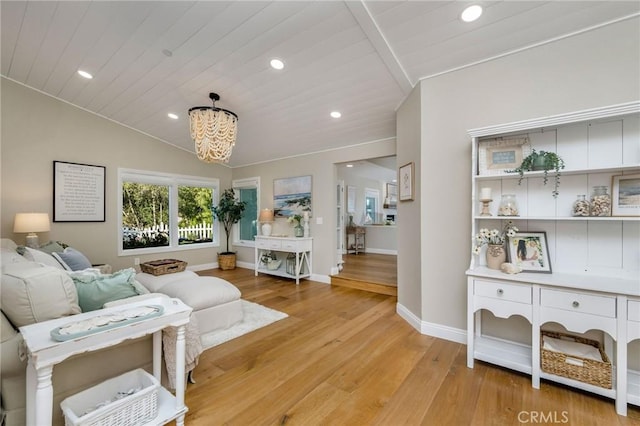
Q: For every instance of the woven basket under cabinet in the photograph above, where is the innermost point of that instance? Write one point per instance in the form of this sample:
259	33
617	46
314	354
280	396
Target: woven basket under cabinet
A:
593	372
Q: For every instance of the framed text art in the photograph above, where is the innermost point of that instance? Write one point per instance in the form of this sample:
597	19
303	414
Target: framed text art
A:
291	196
496	156
78	192
529	251
625	195
406	182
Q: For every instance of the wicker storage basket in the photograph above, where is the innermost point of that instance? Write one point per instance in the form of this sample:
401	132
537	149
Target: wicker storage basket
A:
227	261
137	408
593	372
163	266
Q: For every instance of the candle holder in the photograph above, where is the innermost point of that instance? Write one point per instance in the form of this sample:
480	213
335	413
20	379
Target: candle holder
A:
305	219
485	207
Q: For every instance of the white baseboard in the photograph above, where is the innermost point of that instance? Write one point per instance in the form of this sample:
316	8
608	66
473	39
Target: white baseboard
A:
431	329
380	251
202	266
246	265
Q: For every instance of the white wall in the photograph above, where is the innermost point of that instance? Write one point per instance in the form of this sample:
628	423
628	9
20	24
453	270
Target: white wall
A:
38	129
593	69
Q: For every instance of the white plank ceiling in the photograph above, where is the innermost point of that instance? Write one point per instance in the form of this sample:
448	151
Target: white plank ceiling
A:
362	58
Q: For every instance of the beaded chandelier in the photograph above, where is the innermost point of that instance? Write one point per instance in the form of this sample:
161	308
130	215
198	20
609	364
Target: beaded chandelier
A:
214	131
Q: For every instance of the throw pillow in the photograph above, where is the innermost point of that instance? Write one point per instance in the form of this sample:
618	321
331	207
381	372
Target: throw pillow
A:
51	247
72	259
33	292
95	289
39	257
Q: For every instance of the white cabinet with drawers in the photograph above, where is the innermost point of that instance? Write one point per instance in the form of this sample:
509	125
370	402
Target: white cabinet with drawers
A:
595	282
296	266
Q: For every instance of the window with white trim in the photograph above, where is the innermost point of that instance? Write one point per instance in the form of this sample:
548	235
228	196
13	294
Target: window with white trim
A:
165	212
247	190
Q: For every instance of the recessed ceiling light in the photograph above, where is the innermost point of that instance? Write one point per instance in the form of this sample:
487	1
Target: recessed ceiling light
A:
277	64
349	165
335	114
172	115
85	74
471	13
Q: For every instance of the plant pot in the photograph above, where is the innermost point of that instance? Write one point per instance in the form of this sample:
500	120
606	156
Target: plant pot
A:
227	261
496	256
538	164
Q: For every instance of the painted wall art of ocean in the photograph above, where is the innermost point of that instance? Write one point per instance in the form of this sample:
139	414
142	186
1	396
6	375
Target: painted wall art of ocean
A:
289	204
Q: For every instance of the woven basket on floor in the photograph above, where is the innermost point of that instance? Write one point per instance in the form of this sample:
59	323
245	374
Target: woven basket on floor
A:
227	261
593	372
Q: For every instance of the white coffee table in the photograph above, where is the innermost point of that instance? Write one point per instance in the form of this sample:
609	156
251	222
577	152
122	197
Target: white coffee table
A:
44	352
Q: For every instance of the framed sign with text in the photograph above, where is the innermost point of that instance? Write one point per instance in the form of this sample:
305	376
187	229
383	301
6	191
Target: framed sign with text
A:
498	155
78	192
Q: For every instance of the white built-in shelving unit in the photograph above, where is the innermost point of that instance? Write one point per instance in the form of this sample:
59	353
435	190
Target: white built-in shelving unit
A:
595	279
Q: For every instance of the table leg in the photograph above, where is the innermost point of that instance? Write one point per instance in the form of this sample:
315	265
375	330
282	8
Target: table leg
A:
39	395
180	354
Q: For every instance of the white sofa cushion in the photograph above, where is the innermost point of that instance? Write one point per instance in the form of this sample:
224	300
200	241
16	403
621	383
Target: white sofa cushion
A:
202	292
9	256
154	283
32	293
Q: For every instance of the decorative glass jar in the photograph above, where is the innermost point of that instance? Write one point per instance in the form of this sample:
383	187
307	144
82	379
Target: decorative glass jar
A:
600	201
298	231
508	205
581	206
291	264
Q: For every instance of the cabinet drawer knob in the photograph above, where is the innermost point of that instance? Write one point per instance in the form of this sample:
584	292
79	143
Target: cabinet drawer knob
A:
500	291
575	304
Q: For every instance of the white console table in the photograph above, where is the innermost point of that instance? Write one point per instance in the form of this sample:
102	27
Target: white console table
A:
44	352
301	246
579	304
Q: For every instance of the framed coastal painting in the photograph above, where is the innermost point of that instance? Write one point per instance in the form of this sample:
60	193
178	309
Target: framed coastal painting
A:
406	182
291	196
529	251
625	195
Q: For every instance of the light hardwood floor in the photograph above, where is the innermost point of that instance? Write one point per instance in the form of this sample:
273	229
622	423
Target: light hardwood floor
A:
369	271
344	357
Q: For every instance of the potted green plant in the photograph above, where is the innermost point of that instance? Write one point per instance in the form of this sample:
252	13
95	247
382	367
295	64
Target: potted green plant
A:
541	160
228	211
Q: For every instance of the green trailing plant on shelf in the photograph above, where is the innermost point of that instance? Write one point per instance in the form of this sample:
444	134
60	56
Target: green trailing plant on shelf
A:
544	161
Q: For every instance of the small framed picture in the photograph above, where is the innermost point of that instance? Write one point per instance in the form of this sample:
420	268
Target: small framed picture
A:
406	182
495	156
625	195
529	251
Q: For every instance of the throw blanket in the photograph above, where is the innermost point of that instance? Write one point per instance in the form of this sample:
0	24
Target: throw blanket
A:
192	351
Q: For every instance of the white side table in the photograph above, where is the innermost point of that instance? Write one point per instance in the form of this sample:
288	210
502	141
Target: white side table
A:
44	353
302	247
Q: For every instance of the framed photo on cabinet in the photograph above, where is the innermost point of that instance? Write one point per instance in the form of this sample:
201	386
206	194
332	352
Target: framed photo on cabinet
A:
529	251
625	197
406	182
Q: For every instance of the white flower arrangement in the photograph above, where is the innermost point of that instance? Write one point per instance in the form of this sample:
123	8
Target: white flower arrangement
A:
493	236
295	218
